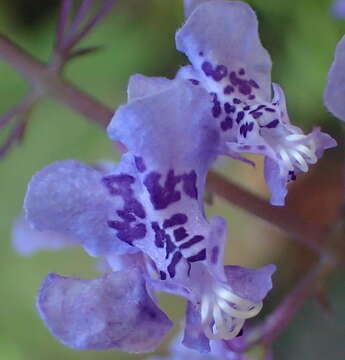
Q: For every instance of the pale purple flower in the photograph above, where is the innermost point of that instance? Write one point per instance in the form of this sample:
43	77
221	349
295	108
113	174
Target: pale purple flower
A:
222	43
146	218
338	9
335	90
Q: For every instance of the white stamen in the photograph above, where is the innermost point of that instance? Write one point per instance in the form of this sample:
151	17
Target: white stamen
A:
301	163
309	152
223	313
295	137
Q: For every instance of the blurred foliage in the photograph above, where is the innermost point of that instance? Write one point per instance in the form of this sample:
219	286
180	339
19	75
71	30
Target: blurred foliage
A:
138	37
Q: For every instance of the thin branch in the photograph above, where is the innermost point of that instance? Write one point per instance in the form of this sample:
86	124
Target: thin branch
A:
62	22
49	83
282	316
46	82
81	14
75	38
21	111
281	217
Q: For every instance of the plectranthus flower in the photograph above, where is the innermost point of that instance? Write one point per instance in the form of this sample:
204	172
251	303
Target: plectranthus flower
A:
222	43
219	351
148	212
335	90
338	9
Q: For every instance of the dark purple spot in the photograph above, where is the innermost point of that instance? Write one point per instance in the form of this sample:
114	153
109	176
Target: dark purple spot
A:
123	182
121	185
292	176
127	233
139	163
239	117
261	147
270	109
159	235
254	84
233	78
194	81
251	97
244	88
246	128
180	234
170	246
273	124
236	101
242	71
229	108
126	215
257	109
207	68
220	72
174	261
162	275
189	184
176	219
201	255
162	196
214	255
246	108
227	123
201	53
228	89
240	333
256	115
194	240
216	109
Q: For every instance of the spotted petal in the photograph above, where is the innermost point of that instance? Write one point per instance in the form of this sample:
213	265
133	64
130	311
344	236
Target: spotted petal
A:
69	197
111	312
177	145
335	90
221	37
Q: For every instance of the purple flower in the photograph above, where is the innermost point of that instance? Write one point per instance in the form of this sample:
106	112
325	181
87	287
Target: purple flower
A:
338	9
335	90
146	218
222	42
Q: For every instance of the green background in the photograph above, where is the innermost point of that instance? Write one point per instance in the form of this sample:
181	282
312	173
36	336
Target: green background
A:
138	37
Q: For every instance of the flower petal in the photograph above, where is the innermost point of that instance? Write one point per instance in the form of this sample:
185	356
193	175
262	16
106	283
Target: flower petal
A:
191	5
250	284
194	337
173	125
27	240
68	197
225	34
141	86
335	90
338	9
176	147
113	311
